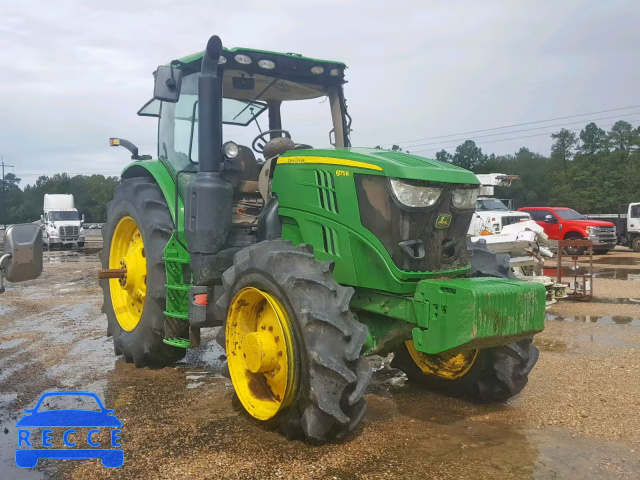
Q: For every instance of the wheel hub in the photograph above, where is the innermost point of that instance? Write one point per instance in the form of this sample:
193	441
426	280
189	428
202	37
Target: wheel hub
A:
260	353
444	365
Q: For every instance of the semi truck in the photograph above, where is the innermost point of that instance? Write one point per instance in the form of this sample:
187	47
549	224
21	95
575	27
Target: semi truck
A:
627	222
62	224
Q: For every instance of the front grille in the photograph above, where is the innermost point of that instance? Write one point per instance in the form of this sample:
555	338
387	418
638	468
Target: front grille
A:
511	219
603	230
69	231
410	236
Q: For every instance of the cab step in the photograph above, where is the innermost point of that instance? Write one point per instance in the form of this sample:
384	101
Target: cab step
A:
177	342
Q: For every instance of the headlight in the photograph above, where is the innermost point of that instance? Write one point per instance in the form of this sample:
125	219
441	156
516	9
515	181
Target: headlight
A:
81	231
588	230
53	233
230	150
465	197
414	195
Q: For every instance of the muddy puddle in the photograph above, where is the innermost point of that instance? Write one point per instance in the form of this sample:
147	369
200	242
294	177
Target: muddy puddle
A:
71	257
612	320
598	272
617	301
632	261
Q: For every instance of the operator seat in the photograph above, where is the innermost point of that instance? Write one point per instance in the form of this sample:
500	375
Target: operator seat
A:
246	180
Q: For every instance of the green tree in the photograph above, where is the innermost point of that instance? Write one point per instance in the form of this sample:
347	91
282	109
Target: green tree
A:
622	136
562	148
443	156
594	139
468	155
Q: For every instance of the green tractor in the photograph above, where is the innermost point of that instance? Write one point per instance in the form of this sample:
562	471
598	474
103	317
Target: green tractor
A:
310	260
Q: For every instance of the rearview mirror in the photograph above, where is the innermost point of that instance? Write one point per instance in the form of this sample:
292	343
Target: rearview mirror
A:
22	258
168	84
550	219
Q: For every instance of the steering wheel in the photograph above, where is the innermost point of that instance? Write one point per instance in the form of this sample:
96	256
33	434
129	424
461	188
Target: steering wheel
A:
260	147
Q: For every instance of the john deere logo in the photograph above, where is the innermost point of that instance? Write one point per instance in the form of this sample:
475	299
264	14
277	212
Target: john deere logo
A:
443	220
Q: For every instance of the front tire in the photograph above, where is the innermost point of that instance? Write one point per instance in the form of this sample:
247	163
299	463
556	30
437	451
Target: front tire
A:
573	251
137	213
326	375
492	375
635	244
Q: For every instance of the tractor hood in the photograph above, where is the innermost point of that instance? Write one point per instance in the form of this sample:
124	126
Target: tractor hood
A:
384	162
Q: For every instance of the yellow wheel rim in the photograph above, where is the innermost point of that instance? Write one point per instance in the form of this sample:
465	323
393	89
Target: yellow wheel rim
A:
128	294
260	354
443	365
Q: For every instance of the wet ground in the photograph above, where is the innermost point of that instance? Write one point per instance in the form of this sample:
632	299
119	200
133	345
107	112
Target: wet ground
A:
577	418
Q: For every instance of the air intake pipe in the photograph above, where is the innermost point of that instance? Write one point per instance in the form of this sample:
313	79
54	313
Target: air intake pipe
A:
208	197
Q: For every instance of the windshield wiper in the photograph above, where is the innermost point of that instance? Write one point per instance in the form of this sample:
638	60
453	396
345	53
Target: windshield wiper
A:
257	97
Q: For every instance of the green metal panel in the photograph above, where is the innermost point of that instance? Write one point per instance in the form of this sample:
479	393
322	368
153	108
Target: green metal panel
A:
478	312
390	164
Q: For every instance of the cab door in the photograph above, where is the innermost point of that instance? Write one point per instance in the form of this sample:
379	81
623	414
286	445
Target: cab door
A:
548	220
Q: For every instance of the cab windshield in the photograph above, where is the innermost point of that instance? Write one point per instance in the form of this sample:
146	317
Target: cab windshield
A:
63	216
485	204
568	214
308	112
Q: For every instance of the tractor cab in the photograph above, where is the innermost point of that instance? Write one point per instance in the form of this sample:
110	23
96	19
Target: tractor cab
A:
267	101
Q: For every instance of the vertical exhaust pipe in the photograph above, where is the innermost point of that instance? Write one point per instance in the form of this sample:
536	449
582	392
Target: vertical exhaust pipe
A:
208	197
210	108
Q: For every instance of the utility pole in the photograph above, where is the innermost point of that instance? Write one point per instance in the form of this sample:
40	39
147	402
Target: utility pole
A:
4	207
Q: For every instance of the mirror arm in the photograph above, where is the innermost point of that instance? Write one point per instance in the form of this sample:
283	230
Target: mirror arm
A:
3	260
121	142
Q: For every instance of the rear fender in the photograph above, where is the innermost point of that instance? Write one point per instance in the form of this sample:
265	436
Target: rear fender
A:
158	172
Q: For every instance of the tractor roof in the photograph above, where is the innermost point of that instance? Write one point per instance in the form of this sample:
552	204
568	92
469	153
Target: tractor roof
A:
292	66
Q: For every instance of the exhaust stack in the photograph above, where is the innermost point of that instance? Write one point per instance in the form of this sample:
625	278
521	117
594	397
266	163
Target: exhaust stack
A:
208	197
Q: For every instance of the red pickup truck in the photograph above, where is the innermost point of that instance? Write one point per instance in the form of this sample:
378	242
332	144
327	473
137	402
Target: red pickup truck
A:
561	223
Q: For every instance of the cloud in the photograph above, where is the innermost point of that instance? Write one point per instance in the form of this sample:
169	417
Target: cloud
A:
75	72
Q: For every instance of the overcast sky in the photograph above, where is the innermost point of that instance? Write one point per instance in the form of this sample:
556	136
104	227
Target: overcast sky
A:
74	73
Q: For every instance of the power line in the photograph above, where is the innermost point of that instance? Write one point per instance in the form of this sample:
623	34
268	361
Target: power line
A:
68	173
503	139
518	131
513	125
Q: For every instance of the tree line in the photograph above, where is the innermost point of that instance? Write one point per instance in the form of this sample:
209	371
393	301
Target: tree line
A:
91	194
592	171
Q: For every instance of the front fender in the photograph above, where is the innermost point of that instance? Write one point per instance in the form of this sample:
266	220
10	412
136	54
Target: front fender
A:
579	231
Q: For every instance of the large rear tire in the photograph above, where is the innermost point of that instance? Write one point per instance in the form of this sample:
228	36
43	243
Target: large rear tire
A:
493	375
139	214
323	399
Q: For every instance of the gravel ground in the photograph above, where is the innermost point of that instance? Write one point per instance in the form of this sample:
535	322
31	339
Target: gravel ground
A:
577	418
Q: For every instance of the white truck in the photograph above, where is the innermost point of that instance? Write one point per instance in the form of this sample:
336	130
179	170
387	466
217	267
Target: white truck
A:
627	222
62	225
491	213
